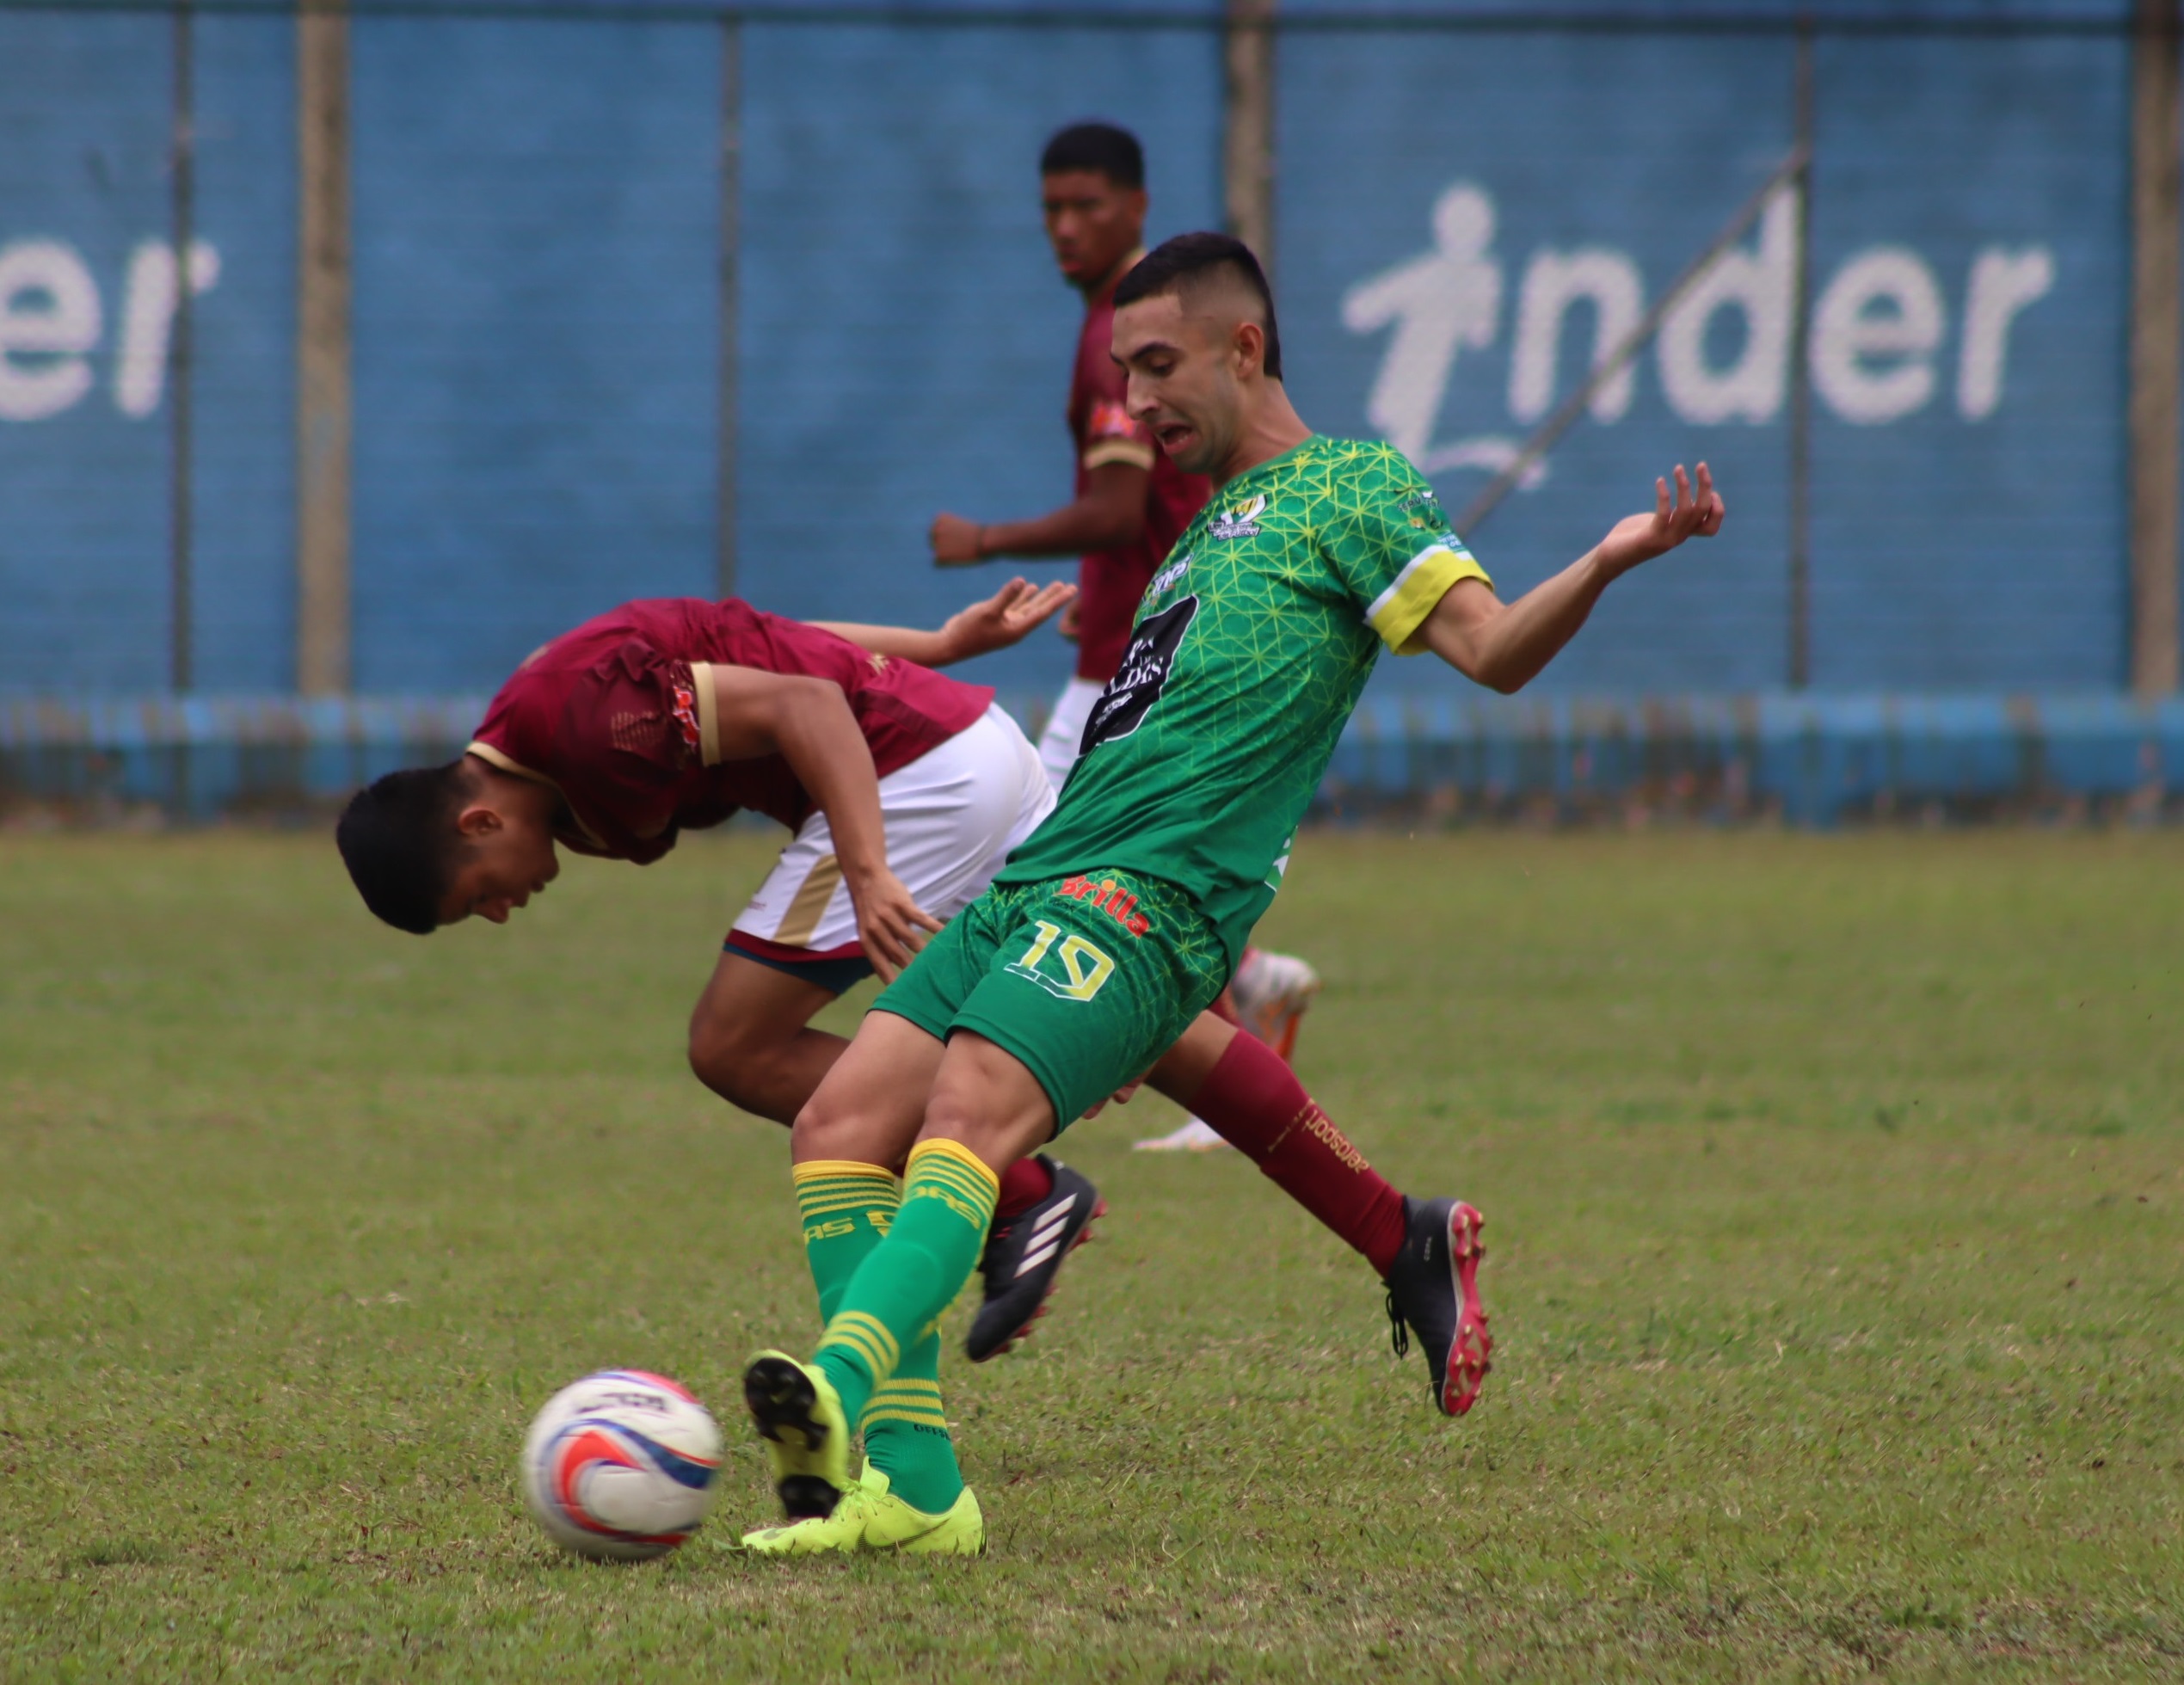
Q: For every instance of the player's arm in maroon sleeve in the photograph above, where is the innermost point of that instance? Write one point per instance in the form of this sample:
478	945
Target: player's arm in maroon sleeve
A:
808	723
995	623
1110	513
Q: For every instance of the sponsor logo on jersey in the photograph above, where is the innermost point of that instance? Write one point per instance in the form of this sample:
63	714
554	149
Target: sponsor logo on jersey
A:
1137	683
685	711
1109	419
1425	510
1169	575
1111	897
1241	522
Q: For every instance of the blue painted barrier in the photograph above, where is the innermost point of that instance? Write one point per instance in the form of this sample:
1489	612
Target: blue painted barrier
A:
1811	761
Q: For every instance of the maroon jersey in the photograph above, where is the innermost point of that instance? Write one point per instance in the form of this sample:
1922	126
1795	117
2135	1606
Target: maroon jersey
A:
1109	583
619	716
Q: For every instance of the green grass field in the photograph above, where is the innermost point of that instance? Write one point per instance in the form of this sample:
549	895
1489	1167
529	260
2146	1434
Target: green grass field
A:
1836	1240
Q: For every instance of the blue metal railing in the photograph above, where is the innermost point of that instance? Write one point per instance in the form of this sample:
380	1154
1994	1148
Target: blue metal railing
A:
1813	759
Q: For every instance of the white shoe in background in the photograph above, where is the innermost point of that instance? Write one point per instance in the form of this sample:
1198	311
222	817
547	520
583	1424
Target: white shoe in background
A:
1195	1136
1271	992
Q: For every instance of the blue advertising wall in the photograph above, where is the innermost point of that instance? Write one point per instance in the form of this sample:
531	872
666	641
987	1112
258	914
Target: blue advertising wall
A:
538	217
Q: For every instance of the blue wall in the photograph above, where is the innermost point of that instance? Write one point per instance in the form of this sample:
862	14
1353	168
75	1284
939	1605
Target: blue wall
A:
537	226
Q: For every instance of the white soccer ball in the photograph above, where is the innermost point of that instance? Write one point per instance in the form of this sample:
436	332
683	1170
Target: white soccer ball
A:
620	1465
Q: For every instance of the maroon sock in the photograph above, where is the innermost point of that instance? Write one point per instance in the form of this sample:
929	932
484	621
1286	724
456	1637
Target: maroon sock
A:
1257	1103
1024	1185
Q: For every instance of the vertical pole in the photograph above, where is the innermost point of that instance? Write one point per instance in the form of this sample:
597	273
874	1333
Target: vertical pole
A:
1247	138
323	403
2156	345
1800	475
730	291
181	352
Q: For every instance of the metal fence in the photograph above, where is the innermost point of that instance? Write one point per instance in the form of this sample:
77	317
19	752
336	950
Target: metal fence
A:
494	315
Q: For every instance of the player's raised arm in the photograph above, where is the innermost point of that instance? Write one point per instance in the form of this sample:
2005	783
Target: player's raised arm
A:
993	622
1503	646
808	723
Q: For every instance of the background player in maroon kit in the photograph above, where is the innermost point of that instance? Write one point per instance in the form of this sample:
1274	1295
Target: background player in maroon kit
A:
1130	506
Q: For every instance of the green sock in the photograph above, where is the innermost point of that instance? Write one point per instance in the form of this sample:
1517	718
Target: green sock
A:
887	1323
847	1208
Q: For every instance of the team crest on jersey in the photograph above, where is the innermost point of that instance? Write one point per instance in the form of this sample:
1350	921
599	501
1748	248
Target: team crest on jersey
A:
1241	522
1425	510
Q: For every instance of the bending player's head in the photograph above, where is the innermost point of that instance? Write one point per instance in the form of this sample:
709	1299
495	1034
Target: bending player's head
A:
1196	335
1092	186
434	845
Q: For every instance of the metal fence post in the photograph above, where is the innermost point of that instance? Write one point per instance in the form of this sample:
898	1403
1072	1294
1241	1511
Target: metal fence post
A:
2156	344
322	396
731	252
1247	125
182	356
1800	510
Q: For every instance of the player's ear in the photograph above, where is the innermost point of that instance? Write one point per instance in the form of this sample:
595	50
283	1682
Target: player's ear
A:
478	820
1248	348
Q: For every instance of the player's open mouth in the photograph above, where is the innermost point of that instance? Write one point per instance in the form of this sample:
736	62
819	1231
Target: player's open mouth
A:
1174	439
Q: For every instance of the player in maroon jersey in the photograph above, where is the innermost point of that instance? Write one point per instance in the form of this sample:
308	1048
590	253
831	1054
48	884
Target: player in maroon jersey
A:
1130	506
904	789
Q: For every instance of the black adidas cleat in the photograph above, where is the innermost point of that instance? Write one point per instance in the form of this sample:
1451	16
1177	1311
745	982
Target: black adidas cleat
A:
1434	1288
1022	1261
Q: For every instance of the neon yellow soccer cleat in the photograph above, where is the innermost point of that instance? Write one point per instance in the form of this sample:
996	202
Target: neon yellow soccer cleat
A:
871	1518
799	1415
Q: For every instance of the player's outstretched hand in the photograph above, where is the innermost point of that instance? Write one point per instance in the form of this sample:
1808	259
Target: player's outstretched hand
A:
1690	514
890	925
1004	618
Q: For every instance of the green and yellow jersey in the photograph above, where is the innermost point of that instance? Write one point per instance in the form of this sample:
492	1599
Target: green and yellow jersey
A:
1247	656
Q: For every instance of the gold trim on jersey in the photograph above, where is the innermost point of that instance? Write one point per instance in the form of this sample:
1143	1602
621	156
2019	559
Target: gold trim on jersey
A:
709	718
515	769
1134	451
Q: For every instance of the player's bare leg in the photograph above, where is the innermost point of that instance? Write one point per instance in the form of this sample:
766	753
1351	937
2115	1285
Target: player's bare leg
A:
751	1041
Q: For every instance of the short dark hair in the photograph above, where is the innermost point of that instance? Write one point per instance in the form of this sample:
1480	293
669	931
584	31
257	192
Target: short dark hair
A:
1189	260
1102	147
397	838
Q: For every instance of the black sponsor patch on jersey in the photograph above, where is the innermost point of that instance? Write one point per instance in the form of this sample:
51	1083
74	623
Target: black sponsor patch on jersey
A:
1137	683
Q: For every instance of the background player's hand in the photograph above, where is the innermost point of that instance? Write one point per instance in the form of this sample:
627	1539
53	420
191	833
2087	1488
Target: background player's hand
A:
1121	1097
890	925
1069	625
1690	514
954	541
1004	618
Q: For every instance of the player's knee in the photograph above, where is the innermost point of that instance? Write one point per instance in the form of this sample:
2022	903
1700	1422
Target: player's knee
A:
826	1129
729	1059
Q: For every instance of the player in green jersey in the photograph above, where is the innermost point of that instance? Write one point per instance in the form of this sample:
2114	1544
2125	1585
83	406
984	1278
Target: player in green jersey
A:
1107	931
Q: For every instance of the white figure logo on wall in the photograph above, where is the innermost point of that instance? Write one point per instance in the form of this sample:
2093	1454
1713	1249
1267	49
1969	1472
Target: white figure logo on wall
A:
51	321
1877	323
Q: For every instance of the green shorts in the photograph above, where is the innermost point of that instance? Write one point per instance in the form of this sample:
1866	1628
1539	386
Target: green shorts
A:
1086	980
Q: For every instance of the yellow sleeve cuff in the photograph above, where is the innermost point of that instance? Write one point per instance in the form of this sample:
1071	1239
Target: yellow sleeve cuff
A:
1399	612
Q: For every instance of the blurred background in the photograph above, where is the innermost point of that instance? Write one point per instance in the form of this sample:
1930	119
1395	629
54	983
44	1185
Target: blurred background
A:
492	314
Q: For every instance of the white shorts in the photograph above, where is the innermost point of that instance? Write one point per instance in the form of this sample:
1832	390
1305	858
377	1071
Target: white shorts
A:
952	816
1066	728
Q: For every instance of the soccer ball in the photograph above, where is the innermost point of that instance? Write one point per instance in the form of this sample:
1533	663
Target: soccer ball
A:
619	1466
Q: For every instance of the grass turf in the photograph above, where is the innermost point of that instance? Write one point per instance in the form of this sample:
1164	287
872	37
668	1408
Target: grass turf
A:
1836	1233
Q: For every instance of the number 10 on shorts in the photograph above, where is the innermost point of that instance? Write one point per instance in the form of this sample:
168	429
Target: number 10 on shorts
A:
1085	967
